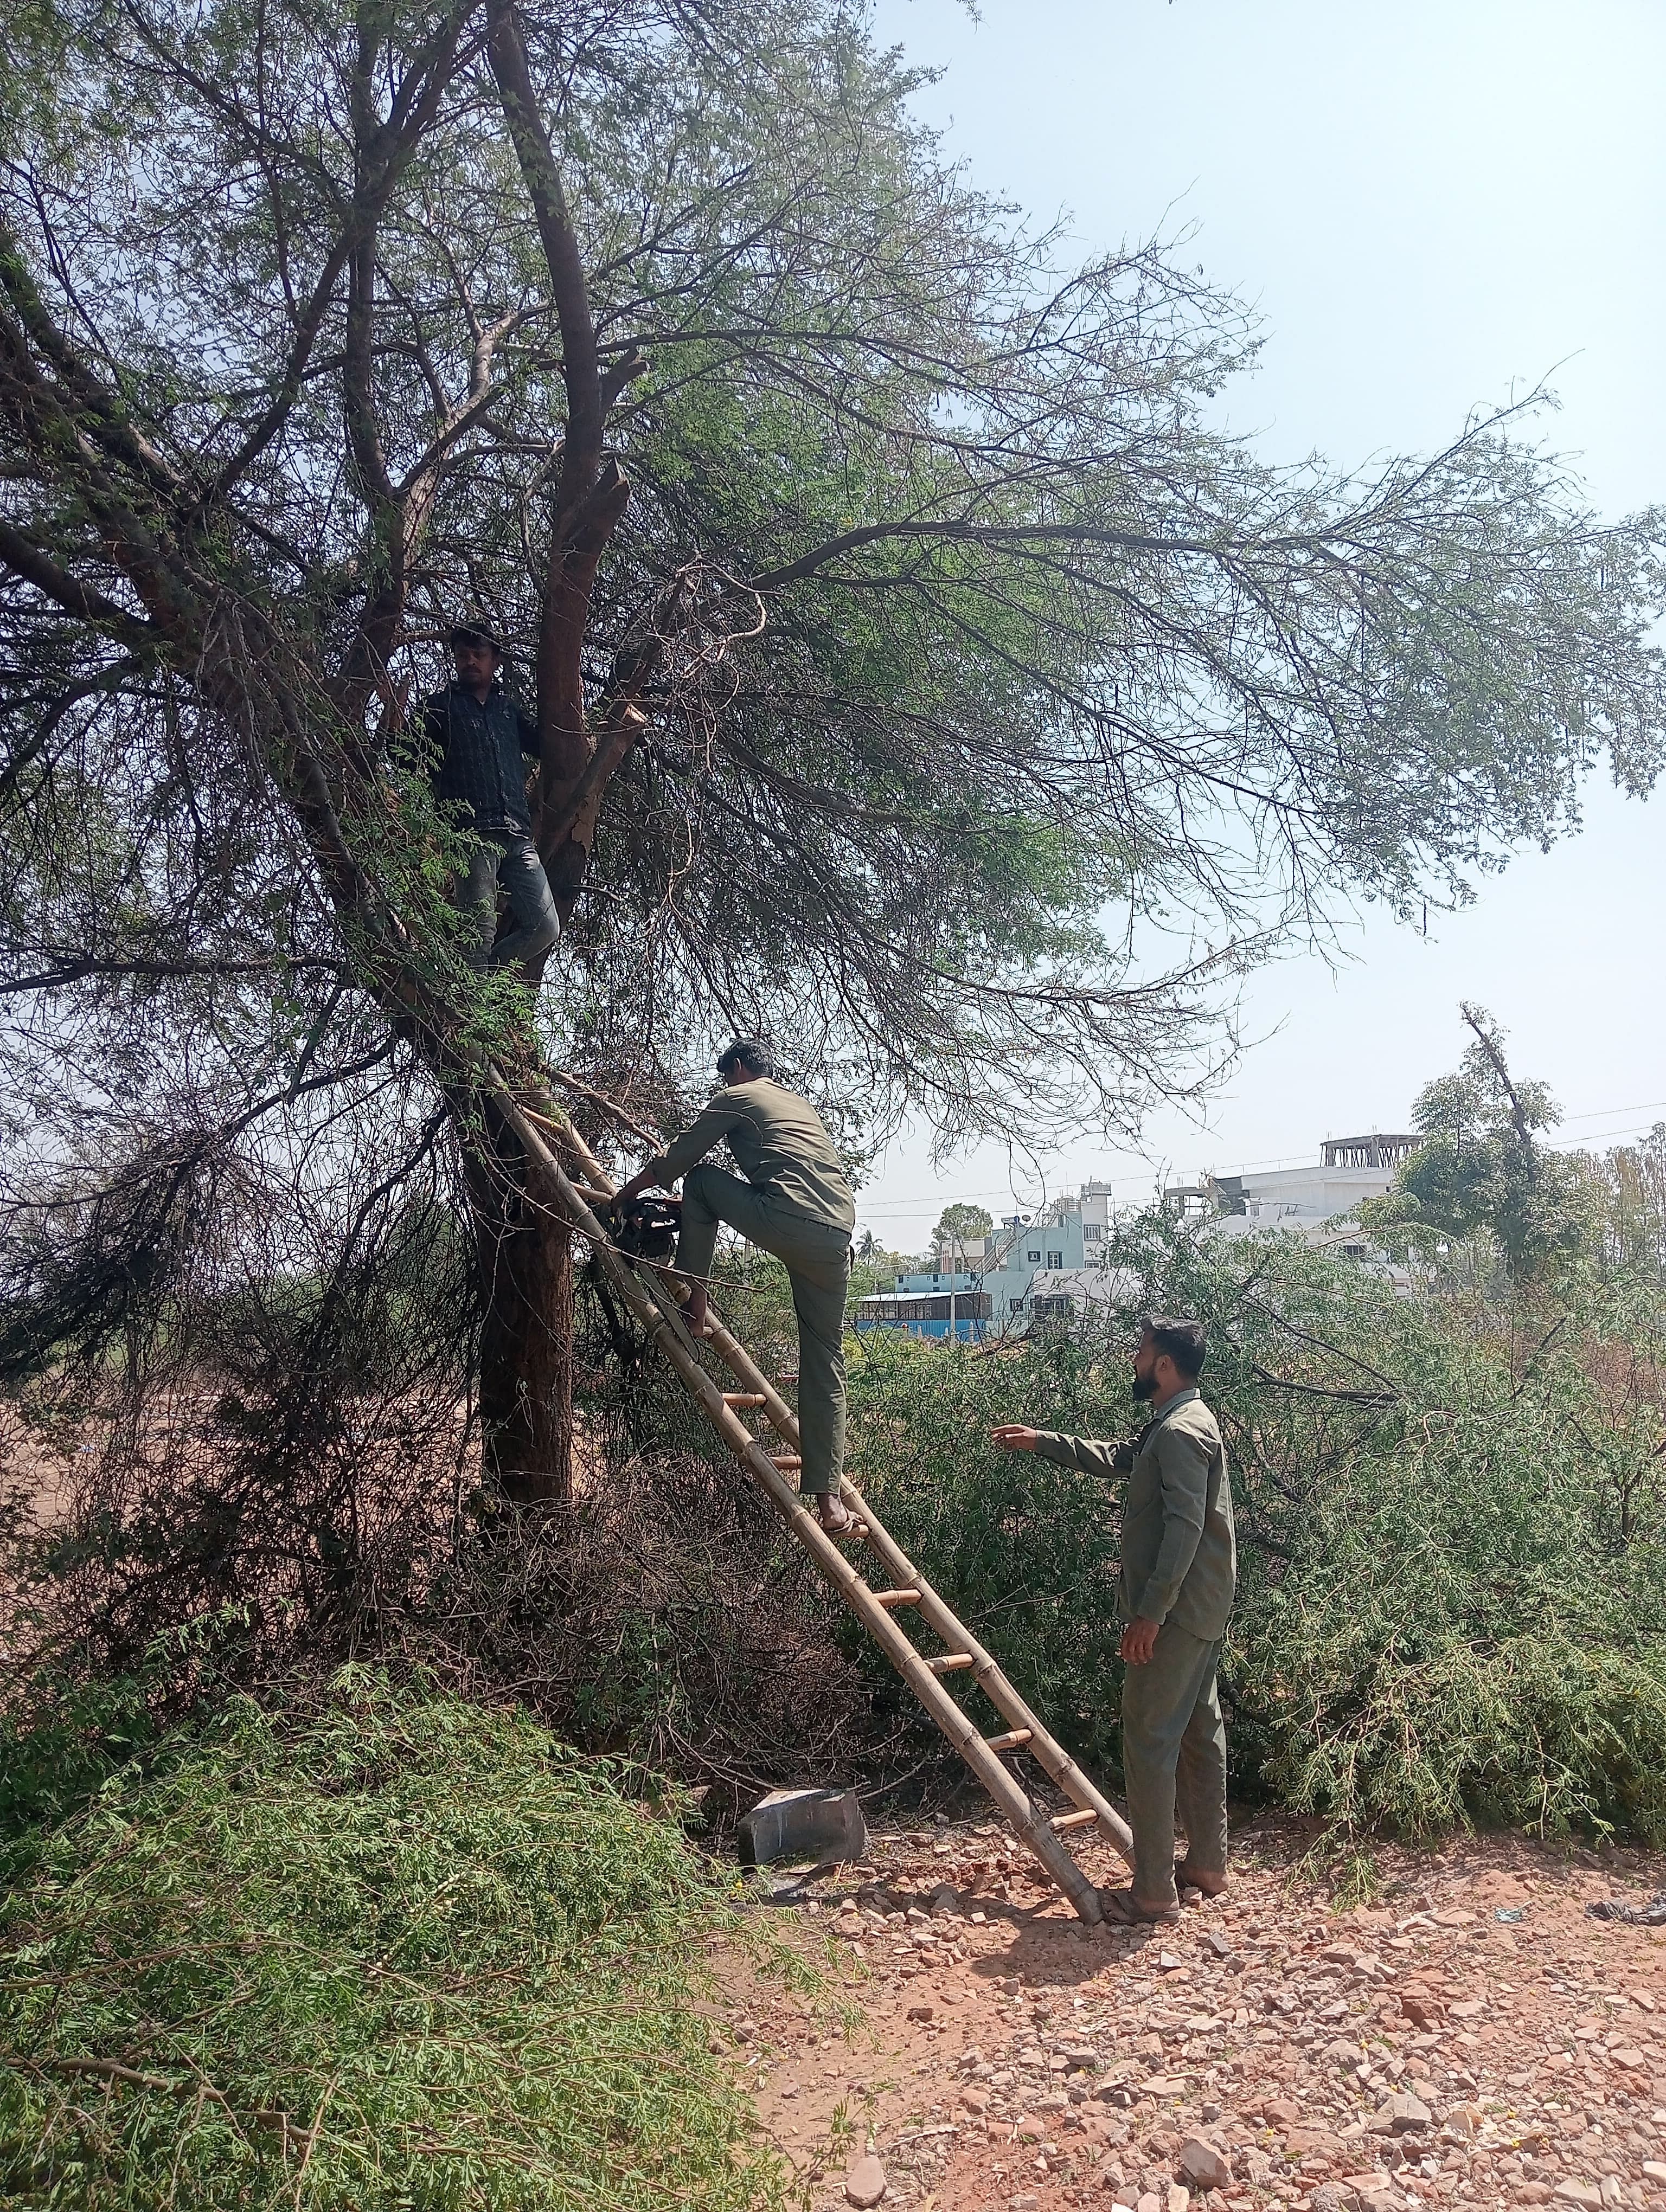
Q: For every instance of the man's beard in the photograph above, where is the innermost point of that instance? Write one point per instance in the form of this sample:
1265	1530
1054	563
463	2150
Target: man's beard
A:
1143	1386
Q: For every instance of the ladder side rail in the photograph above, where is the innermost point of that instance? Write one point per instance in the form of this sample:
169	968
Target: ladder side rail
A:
724	1344
1031	1823
742	1365
1044	1747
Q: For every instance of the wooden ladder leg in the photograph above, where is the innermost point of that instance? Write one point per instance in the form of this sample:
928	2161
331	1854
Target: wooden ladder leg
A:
1048	1753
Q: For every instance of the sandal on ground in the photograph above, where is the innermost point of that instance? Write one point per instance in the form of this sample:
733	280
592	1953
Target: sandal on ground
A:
1122	1904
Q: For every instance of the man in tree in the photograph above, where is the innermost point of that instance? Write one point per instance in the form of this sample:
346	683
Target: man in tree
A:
1179	1573
477	742
905	629
796	1201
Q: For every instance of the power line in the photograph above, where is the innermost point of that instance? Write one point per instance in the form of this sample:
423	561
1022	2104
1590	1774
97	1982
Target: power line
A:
898	1206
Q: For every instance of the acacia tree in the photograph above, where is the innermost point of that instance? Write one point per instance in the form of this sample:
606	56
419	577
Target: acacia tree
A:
913	660
1481	1170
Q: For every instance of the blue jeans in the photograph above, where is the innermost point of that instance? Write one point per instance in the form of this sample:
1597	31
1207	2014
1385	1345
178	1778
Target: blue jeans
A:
508	860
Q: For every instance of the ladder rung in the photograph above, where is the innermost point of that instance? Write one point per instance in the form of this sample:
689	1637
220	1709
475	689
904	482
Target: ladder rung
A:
745	1398
1064	1821
786	1460
1010	1742
950	1662
896	1597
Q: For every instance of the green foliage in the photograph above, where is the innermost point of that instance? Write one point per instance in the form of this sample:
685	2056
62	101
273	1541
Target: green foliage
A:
395	1951
1625	1200
1452	1603
1478	1172
962	1224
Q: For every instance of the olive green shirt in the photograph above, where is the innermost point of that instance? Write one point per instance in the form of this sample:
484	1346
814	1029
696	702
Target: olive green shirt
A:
1179	1548
779	1144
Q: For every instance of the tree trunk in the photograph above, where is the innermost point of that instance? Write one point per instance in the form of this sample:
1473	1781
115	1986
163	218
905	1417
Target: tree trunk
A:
526	1263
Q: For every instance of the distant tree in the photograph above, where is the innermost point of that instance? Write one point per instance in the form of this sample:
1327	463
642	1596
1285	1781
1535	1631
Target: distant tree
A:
875	1267
1627	1191
1480	1169
961	1225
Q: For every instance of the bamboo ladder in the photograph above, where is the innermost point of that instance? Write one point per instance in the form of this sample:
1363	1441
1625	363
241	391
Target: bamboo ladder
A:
647	1294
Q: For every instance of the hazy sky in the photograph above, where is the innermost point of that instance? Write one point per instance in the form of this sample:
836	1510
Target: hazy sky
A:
1432	206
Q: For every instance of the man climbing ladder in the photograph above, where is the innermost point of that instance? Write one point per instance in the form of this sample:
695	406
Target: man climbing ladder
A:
647	1295
796	1201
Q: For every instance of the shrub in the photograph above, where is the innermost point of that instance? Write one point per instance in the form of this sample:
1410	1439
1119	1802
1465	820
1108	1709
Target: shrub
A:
1452	1603
394	1952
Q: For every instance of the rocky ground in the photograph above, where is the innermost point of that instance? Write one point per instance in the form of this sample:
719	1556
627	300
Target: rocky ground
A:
1470	2036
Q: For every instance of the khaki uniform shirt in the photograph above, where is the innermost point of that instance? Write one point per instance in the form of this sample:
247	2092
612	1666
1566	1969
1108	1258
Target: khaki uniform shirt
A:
1179	1548
779	1144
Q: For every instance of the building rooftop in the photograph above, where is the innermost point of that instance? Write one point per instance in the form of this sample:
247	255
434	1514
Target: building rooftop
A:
1376	1151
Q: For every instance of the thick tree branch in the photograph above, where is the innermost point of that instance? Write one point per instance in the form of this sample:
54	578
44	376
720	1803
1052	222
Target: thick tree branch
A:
25	558
589	500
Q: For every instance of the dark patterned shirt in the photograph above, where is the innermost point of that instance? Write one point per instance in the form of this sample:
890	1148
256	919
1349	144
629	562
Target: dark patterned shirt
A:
472	755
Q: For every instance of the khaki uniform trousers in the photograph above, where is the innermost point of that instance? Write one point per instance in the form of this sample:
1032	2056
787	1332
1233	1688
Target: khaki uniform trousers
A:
1174	1755
817	1257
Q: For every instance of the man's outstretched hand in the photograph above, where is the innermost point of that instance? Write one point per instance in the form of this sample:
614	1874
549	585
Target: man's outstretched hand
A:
1140	1641
1013	1435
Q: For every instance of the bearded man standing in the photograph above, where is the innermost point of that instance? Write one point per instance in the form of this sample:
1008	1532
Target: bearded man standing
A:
1179	1573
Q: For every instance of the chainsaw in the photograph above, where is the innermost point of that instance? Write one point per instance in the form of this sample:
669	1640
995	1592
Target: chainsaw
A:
647	1228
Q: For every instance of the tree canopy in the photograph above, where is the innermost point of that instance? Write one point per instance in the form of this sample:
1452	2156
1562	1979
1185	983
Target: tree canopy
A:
962	1224
923	678
1479	1170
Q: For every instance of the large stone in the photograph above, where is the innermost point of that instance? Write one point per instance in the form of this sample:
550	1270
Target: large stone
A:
1203	2165
864	2184
1402	2115
1584	2194
1299	2141
803	1824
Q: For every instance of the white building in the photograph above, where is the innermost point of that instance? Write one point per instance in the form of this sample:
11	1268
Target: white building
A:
1318	1203
1047	1264
1065	1240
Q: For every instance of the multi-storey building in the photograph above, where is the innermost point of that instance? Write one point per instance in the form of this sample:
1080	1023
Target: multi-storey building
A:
1031	1266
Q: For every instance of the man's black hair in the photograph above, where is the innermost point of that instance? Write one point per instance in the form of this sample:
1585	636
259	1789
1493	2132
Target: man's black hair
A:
1183	1341
747	1053
474	633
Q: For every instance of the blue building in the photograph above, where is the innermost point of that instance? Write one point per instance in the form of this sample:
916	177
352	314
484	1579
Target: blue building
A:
940	1305
1029	1268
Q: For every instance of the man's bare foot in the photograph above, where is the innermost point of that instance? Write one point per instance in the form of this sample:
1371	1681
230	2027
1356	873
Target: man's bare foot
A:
835	1516
1188	1877
695	1318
